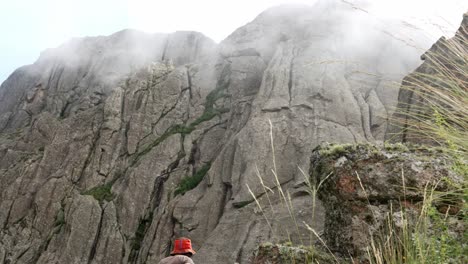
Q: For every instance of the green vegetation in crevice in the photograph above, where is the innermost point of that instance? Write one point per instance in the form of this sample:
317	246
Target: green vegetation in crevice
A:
60	218
102	192
190	182
216	94
209	113
139	235
210	110
206	116
171	131
59	221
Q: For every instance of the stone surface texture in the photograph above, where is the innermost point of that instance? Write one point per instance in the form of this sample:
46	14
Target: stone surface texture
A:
97	135
363	186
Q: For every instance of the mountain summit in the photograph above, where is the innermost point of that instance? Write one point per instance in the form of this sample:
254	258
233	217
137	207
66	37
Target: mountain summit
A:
111	147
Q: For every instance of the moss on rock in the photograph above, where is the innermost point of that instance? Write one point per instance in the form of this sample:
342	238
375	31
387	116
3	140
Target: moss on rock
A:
285	254
101	192
190	182
361	184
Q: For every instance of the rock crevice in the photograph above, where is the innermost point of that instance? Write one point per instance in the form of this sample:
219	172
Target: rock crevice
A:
104	130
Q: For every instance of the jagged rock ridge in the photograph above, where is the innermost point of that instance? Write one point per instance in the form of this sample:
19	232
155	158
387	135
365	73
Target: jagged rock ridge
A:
443	73
98	135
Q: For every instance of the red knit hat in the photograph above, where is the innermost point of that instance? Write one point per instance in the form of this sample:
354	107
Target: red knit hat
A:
182	245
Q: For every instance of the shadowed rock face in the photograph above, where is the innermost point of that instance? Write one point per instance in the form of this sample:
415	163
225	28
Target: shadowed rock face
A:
444	68
98	135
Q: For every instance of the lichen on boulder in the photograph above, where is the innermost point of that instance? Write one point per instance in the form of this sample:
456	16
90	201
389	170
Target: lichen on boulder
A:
363	186
285	253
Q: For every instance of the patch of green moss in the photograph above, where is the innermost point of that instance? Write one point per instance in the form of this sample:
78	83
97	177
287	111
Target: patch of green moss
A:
101	192
287	253
60	218
139	235
336	150
396	147
59	221
190	182
209	113
171	131
210	110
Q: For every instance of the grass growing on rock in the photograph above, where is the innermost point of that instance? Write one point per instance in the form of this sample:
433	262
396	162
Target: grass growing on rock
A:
59	221
422	236
438	108
190	182
139	236
437	115
422	228
101	192
425	238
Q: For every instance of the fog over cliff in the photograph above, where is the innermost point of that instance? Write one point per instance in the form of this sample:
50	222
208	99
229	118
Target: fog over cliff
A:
112	146
41	24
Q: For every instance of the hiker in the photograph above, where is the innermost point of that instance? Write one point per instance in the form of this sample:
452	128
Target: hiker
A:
181	254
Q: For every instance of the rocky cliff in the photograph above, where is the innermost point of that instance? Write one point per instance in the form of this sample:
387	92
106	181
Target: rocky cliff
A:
442	74
110	147
394	200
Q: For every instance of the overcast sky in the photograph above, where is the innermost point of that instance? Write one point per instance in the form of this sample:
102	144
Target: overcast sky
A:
27	27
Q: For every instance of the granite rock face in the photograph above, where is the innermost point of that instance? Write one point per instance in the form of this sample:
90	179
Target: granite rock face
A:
111	147
82	73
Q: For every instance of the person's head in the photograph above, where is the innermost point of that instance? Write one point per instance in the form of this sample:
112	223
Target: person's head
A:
183	246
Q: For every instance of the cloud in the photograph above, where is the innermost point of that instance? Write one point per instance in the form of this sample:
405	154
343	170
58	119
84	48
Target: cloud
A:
217	19
30	26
